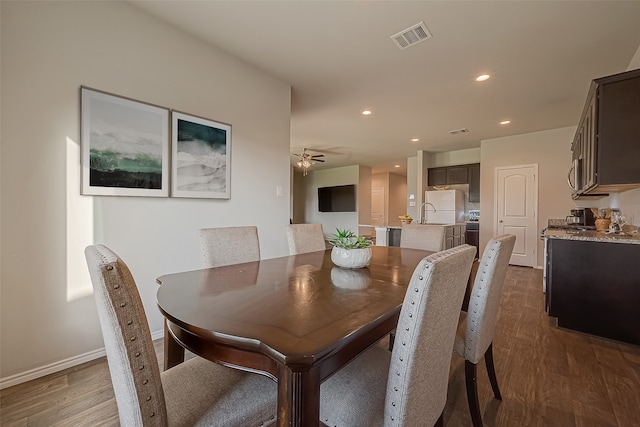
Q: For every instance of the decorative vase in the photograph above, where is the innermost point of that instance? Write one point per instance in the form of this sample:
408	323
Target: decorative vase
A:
602	224
351	258
349	278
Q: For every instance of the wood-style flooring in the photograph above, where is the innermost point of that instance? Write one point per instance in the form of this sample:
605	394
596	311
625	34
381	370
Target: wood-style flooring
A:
548	377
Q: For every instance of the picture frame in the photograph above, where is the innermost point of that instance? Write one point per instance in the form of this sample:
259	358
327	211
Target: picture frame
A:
201	157
124	146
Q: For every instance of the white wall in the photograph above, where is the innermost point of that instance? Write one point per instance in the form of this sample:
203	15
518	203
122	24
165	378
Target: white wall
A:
328	178
412	187
395	195
50	49
452	158
551	150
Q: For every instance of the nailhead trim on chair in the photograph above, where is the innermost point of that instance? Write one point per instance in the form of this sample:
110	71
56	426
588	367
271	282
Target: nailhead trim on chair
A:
142	364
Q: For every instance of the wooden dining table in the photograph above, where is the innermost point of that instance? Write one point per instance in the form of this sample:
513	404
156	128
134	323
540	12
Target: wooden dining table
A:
297	319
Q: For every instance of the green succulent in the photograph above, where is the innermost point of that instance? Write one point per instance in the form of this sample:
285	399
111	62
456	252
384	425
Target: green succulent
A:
347	239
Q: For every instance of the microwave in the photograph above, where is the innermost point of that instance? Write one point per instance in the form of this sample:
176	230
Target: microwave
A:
574	176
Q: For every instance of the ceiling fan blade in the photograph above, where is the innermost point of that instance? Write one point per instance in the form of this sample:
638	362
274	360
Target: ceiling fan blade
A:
317	155
317	160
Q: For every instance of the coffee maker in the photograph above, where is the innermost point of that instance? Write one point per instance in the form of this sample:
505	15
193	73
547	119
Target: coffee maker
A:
581	217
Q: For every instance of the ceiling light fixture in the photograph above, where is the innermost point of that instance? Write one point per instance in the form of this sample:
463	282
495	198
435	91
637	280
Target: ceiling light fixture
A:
415	140
483	77
366	112
305	160
505	122
397	166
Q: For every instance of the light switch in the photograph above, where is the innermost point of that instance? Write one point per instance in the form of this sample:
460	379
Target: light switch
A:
279	191
412	203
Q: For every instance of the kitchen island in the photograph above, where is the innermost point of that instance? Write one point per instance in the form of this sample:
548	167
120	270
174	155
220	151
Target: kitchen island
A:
593	282
389	235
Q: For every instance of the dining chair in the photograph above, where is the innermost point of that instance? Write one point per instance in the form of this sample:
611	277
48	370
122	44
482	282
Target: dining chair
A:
422	236
303	238
195	392
474	336
229	245
414	391
419	236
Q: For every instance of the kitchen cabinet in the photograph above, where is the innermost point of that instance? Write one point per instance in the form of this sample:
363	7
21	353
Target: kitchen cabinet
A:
459	174
606	146
594	287
454	235
437	176
472	236
474	182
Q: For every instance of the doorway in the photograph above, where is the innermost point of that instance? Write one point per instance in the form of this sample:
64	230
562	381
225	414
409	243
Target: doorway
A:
516	211
377	206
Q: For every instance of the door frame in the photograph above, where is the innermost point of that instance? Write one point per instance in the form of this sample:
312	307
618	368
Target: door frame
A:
533	241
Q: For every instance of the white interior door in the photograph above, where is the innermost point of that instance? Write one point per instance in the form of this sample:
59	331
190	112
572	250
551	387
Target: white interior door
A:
377	206
516	189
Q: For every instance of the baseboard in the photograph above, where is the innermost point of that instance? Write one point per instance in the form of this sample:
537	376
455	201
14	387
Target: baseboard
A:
61	365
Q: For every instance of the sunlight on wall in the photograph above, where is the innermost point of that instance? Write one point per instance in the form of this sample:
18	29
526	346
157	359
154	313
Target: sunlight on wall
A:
79	228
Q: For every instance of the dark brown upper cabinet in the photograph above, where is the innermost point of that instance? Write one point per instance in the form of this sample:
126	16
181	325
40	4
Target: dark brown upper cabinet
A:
606	147
437	176
459	174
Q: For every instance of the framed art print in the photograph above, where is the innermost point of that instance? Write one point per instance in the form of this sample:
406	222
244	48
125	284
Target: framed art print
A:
201	157
124	145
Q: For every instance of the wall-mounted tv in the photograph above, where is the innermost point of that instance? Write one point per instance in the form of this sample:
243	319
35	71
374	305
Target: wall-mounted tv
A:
341	198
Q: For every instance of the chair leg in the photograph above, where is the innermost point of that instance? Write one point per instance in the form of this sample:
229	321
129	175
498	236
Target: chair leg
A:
440	422
470	376
491	370
392	338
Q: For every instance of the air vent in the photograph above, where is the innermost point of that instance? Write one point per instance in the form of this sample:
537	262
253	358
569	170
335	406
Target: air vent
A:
458	131
411	36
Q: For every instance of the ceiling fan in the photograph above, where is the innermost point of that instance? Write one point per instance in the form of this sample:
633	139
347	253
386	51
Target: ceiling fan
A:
305	160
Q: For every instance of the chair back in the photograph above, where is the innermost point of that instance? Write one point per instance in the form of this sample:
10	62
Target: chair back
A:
421	357
229	245
484	301
419	236
133	365
303	238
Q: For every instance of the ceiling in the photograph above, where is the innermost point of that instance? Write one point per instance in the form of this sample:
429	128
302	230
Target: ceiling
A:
339	59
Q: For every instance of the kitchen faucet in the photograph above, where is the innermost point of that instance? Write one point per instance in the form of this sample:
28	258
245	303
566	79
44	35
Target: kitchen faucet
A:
422	219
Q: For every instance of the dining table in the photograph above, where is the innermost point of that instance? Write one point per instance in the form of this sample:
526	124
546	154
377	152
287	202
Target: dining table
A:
296	319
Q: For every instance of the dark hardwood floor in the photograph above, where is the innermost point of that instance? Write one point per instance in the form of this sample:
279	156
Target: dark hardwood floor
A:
548	377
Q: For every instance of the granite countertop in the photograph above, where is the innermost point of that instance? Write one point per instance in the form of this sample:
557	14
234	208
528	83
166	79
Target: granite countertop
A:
632	237
400	226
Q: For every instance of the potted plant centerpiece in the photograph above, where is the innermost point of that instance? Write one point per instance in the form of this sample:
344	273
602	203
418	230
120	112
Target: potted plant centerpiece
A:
349	250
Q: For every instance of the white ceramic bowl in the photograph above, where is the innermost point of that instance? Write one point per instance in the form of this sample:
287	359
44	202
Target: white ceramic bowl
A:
351	258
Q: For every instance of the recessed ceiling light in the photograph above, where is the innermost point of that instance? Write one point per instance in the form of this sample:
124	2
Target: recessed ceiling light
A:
483	77
366	112
415	139
397	166
505	122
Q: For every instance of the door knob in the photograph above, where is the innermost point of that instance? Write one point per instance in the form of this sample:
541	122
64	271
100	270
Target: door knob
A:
500	220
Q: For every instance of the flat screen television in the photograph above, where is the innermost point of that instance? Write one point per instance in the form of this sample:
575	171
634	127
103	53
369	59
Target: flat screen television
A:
341	198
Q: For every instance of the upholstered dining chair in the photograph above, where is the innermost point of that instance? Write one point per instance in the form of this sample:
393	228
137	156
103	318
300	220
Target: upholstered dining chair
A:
422	236
414	392
229	245
303	238
419	236
196	392
474	337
